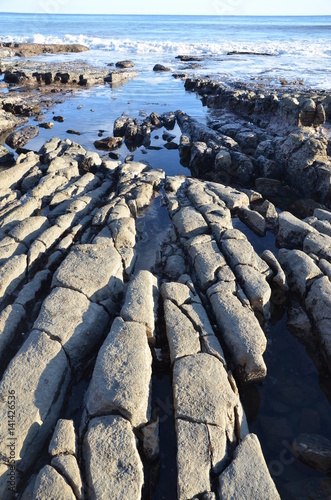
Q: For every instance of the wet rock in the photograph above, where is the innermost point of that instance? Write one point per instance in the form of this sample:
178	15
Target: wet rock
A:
108	143
110	441
6	158
50	484
21	137
119	77
59	119
171	145
314	450
186	58
122	374
248	474
160	68
46	125
125	64
34	49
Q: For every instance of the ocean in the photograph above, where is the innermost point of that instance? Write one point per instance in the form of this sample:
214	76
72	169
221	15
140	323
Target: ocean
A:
299	47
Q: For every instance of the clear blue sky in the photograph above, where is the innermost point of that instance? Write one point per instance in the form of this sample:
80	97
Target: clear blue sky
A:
208	7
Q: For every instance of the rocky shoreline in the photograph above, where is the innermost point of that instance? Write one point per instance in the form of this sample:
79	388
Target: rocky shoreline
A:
86	323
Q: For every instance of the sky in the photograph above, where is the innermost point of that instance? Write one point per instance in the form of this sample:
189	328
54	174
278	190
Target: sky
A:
176	7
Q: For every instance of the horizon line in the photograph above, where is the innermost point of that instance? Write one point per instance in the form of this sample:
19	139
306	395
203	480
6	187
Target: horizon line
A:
161	15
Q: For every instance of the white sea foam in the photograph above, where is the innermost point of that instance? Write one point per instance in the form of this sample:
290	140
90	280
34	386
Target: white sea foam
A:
317	48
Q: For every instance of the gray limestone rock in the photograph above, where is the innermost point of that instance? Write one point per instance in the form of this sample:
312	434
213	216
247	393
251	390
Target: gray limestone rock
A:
10	319
39	375
110	441
189	223
141	301
242	333
292	231
182	337
253	220
95	271
202	392
12	273
50	484
318	244
318	304
247	476
77	323
64	439
67	465
300	269
122	374
206	260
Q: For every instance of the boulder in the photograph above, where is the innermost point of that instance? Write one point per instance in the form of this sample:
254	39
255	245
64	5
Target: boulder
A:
160	68
21	137
108	143
314	450
125	64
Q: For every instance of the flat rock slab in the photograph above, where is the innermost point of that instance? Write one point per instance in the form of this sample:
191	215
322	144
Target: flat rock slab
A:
39	374
189	223
113	465
202	392
96	271
141	301
242	333
182	337
75	321
247	476
50	484
122	374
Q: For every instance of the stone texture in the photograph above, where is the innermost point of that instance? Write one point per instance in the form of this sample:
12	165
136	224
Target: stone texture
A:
300	269
182	337
318	304
95	271
202	392
206	260
67	465
50	484
40	375
110	441
64	439
247	476
122	374
141	301
255	287
193	459
318	244
253	220
10	319
12	273
292	231
77	323
189	223
241	330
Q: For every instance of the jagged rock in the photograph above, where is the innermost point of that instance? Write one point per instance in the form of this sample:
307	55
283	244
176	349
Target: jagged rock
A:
109	143
247	476
50	484
110	441
125	351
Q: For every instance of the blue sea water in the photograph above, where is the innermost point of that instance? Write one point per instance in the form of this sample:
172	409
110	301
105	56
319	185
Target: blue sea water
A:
301	45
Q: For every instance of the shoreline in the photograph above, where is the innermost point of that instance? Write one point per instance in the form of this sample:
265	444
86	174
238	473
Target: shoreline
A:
201	274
